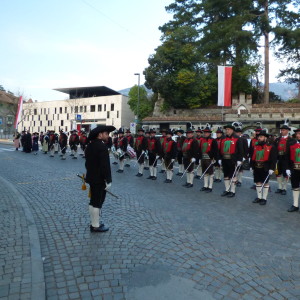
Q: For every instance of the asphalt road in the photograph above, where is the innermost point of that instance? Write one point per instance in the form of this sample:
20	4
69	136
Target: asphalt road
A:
164	242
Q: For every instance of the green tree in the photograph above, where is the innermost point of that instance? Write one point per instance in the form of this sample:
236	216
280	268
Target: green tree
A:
145	106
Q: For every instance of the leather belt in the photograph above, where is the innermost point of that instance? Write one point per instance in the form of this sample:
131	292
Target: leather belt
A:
296	166
281	153
259	164
226	156
205	156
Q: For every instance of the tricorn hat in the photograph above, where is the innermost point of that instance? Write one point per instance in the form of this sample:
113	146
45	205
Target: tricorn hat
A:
297	130
128	131
219	130
258	129
229	126
180	131
238	129
264	133
284	126
189	130
121	131
170	132
101	128
206	129
152	131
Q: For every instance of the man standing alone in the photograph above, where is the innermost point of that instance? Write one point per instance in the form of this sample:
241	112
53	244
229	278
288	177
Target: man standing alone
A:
98	174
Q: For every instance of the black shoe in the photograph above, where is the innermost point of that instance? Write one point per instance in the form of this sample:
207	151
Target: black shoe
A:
278	191
179	174
216	180
253	187
203	189
61	155
166	181
263	202
146	168
74	157
51	156
189	185
139	175
150	177
115	163
293	208
63	158
101	228
283	192
127	165
256	200
231	195
120	171
225	193
219	180
71	154
154	178
238	183
197	177
161	171
208	190
186	184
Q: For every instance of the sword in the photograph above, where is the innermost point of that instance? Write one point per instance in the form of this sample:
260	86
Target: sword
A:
186	169
138	160
206	170
168	166
154	162
110	193
235	171
263	185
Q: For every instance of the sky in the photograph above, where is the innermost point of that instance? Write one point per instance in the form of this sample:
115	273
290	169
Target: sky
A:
52	44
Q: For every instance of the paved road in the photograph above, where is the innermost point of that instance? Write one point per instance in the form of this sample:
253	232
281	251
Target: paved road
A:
164	242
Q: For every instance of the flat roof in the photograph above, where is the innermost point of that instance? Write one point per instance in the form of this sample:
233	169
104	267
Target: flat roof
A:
88	91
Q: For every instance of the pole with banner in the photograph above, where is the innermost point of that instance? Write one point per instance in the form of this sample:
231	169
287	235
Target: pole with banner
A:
19	113
224	86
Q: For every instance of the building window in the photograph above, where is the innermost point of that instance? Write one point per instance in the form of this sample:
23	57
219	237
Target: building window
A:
71	109
44	111
39	117
32	118
117	114
66	110
41	111
66	128
99	107
67	116
35	111
46	117
62	123
85	108
104	107
41	123
76	109
81	109
48	110
60	110
57	117
93	108
55	110
112	107
108	115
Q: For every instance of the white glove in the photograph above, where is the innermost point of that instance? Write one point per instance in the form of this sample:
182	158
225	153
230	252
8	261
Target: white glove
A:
143	152
108	186
288	173
271	172
220	162
239	163
251	170
157	157
193	159
173	159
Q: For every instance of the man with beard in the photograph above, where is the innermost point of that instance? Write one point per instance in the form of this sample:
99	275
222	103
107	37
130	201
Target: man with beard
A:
293	169
231	153
180	141
98	174
209	154
282	143
140	148
121	149
63	142
74	142
263	163
154	151
169	152
189	150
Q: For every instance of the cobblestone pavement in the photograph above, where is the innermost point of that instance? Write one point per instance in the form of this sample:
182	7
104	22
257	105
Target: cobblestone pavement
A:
164	242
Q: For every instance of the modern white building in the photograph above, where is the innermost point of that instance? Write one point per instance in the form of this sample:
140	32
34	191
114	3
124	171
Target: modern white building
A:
86	107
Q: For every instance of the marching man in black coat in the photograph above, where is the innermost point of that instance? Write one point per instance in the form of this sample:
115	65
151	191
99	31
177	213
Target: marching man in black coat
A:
263	163
169	150
154	151
98	173
121	149
180	141
140	148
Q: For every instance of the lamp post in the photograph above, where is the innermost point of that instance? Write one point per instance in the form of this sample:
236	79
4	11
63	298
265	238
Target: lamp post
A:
138	104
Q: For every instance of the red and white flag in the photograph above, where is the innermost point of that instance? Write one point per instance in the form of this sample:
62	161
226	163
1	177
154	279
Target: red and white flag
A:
19	113
224	85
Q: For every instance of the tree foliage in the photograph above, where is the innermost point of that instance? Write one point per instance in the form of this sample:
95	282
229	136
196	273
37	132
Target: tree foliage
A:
206	33
145	106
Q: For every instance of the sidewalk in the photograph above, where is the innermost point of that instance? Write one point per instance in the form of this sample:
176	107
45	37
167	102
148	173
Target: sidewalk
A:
6	141
21	272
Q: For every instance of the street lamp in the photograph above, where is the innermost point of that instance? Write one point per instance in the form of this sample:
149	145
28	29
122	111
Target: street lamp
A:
138	105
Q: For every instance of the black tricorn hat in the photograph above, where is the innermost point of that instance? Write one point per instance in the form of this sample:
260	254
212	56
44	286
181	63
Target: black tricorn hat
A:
284	126
189	130
207	129
180	131
238	129
141	129
170	132
258	129
121	131
219	130
264	133
297	130
101	128
152	131
229	126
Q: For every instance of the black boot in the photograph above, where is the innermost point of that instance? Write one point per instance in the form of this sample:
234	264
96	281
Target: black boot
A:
225	193
263	202
278	191
256	200
293	208
203	189
230	194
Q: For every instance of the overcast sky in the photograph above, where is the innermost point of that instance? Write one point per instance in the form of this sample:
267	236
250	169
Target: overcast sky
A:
67	43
